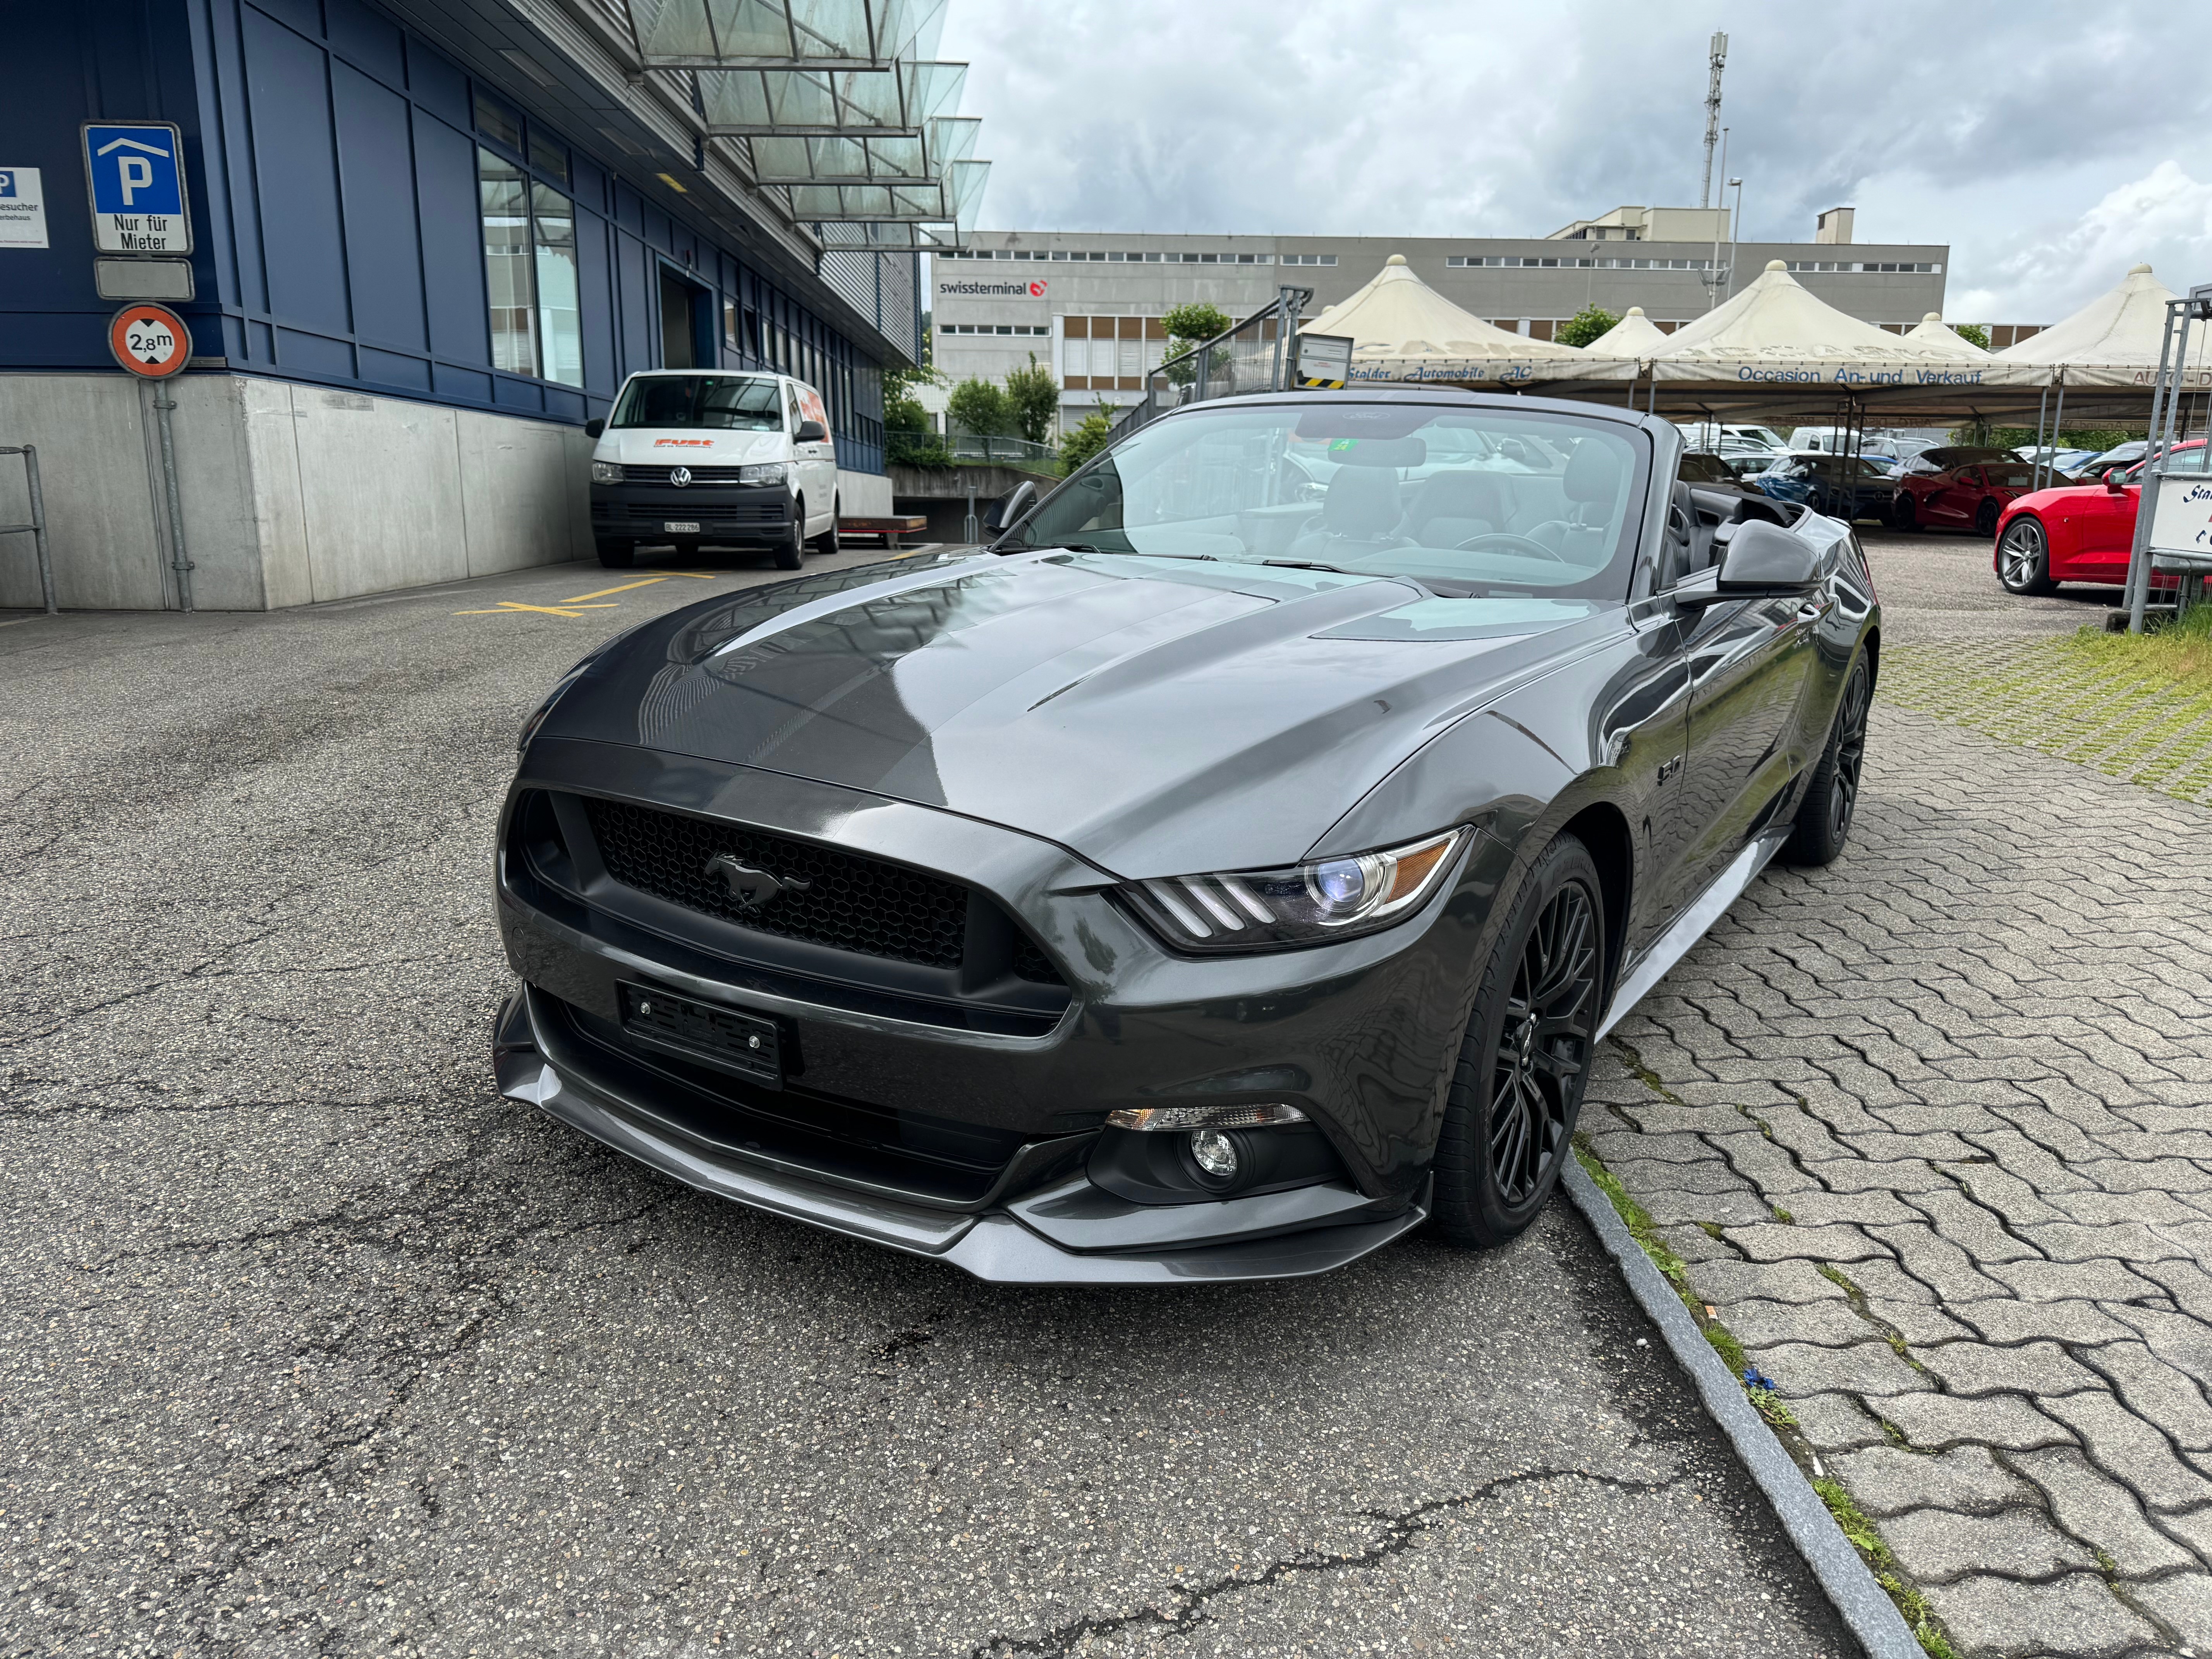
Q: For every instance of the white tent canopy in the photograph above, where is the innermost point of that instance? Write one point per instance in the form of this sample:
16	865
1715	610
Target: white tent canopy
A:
1402	329
2115	339
1634	336
1775	334
1933	332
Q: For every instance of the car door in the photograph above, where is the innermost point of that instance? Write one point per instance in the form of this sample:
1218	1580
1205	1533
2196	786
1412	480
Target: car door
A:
1955	496
821	455
2095	532
1748	662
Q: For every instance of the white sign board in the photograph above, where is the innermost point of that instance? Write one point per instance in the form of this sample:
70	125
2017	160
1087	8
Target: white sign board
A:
134	172
2182	521
23	208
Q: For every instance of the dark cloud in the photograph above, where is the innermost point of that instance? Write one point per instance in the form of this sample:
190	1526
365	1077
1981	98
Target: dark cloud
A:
2019	135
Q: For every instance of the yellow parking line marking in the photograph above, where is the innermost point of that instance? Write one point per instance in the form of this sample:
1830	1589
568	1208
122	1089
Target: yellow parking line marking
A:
698	575
507	607
603	592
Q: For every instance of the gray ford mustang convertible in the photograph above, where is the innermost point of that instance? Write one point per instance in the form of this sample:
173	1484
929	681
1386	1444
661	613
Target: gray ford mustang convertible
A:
1227	870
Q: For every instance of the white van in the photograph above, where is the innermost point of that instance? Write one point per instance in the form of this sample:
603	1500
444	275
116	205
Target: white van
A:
691	456
1834	440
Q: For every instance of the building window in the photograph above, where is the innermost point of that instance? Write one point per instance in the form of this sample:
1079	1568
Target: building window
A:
530	273
498	123
1309	258
548	157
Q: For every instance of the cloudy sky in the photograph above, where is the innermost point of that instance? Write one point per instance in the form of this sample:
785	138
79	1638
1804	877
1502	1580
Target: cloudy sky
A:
2051	147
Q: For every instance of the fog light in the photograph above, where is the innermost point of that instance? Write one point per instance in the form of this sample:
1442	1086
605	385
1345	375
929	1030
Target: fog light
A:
1178	1119
1215	1154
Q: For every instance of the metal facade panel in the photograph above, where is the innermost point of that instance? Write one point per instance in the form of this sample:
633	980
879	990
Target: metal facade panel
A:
296	175
384	255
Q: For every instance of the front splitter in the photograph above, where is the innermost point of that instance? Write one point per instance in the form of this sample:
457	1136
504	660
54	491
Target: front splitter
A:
993	1246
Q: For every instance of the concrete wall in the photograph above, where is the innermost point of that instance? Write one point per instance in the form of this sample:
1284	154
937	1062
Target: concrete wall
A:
864	495
292	493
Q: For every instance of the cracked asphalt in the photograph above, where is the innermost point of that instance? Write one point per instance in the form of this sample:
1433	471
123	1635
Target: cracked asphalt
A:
310	1343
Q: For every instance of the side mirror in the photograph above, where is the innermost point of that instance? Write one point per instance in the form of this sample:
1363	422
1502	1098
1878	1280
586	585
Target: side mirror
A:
811	432
594	426
1762	561
1005	512
2112	486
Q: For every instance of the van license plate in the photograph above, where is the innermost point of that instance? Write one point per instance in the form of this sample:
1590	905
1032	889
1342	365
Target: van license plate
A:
680	529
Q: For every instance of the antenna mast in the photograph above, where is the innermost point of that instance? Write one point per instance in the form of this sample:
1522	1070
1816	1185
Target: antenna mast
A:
1713	115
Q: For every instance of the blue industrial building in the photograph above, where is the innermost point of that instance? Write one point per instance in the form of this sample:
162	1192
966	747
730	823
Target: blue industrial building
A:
443	217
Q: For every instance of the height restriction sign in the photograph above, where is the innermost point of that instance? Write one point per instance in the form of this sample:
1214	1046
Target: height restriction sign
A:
149	340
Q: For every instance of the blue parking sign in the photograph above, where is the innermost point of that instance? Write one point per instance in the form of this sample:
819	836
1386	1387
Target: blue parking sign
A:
133	171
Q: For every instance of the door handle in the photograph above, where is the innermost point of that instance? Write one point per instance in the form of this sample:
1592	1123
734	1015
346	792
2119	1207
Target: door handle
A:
1812	608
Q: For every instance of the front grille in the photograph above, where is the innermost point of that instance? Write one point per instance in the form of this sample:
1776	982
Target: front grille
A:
851	902
716	513
1032	964
700	475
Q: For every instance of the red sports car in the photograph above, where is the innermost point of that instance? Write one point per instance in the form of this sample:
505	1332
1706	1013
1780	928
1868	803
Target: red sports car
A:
2083	533
1959	489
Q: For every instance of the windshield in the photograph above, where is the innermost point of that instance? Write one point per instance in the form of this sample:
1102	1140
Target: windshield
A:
1469	500
727	402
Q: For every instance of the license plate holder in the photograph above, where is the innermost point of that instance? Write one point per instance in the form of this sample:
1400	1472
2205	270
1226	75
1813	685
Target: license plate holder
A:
680	527
705	1033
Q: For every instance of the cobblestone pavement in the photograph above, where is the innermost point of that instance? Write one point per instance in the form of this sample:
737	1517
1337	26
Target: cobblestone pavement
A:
1930	1128
2049	693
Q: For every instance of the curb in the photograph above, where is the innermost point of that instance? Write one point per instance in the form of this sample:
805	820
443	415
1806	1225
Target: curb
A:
1866	1609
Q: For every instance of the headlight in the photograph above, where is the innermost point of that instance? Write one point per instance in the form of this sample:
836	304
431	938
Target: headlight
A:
607	472
1305	905
766	472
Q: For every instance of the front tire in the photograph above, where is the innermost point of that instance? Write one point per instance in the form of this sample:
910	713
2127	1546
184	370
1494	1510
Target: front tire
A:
1518	1085
1823	822
828	543
618	556
2024	559
791	552
1903	514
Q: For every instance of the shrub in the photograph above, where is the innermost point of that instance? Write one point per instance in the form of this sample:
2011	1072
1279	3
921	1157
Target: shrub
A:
1585	325
1032	400
1085	440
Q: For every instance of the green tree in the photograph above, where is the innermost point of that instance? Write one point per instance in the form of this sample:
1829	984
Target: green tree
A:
1972	333
1585	325
1088	438
1032	400
1187	325
982	408
907	439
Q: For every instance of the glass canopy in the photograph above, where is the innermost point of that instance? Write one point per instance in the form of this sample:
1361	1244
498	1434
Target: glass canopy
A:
844	35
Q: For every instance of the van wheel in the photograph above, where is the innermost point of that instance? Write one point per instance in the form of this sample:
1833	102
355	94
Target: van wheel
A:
618	556
791	552
829	542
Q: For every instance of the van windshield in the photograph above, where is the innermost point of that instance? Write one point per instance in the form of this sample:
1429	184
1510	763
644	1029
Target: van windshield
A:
740	403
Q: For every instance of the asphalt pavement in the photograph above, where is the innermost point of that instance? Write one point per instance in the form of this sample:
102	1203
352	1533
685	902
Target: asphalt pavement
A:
311	1343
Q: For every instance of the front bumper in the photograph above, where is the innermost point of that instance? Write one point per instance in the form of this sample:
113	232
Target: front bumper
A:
724	513
1359	1036
1288	1235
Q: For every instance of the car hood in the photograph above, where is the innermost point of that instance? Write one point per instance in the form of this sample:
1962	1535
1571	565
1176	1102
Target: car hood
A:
648	445
1156	716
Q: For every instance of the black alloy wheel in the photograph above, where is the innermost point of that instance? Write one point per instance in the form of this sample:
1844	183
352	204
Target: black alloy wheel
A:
1823	822
618	556
2024	558
1517	1086
1903	514
791	552
1985	519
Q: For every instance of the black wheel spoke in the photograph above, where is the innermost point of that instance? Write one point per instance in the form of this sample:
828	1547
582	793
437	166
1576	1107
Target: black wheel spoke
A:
1543	1042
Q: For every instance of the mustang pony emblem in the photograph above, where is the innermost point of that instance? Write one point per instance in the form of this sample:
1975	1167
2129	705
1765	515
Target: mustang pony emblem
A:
753	888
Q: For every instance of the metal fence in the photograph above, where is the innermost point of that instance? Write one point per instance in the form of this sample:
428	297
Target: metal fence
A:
1257	354
966	446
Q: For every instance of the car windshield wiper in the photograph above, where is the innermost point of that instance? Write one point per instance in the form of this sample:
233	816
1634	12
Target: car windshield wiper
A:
1315	564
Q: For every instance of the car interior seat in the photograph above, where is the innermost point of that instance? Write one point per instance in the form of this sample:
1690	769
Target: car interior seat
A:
1362	505
1453	507
1591	484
